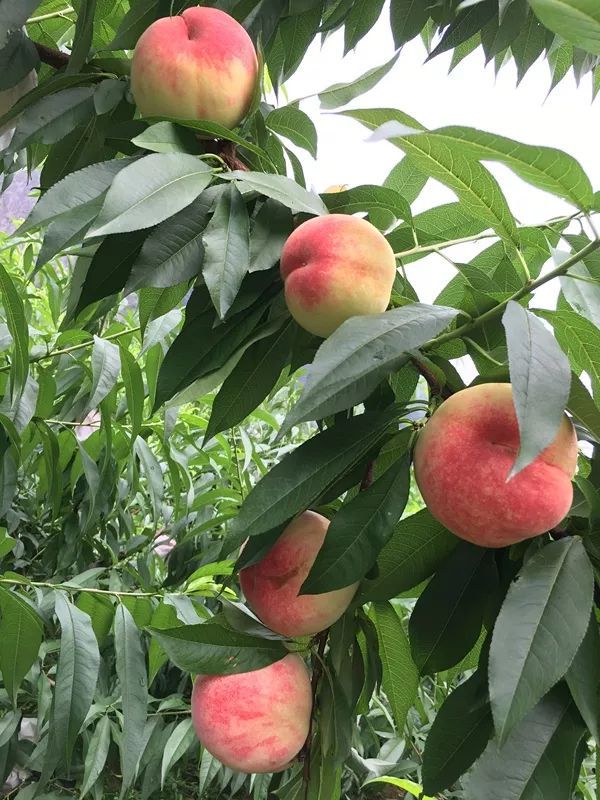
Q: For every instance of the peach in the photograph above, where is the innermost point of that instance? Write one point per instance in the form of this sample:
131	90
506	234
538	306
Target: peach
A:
272	585
335	267
200	65
254	721
462	461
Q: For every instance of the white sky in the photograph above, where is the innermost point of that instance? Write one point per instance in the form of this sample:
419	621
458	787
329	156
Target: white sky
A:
471	95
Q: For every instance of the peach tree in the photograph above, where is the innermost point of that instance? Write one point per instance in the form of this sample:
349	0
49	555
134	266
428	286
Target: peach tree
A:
220	392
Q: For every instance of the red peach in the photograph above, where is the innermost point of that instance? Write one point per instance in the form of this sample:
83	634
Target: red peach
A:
254	721
272	585
462	461
200	65
335	267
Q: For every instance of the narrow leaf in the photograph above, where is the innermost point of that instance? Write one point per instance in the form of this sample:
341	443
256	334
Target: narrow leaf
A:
540	377
226	241
131	671
400	674
539	630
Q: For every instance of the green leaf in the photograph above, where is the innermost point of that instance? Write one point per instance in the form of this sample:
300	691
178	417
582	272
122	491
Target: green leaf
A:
577	21
539	755
150	190
19	330
53	117
21	632
82	40
408	786
447	162
473	184
540	377
302	476
295	125
211	649
419	545
363	15
440	224
76	677
101	612
407	18
539	630
173	252
400	674
164	616
528	46
467	23
81	189
280	188
13	15
368	198
358	532
360	353
155	303
226	241
17	58
406	178
583	408
97	753
153	473
134	23
250	381
213	130
583	678
106	366
447	619
110	267
131	671
166	137
134	389
459	735
177	745
270	230
203	347
579	339
339	94
545	167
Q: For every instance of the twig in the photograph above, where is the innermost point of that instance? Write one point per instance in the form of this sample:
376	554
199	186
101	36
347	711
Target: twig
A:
317	670
54	58
226	151
458	333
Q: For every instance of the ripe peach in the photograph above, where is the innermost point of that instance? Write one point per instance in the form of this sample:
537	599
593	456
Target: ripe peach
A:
272	586
200	65
462	461
254	721
335	267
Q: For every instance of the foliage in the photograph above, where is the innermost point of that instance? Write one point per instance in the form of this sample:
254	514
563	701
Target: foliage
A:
156	396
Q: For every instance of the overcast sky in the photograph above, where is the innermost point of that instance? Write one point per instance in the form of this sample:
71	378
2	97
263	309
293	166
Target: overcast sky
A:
471	95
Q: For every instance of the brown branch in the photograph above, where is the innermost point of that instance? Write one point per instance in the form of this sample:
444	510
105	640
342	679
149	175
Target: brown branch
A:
54	58
367	477
227	151
437	390
317	670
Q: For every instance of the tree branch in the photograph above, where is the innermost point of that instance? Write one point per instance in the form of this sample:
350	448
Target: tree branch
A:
317	669
227	151
54	58
530	286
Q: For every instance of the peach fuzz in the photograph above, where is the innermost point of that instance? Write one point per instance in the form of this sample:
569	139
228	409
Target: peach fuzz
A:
254	721
272	585
462	461
200	65
335	267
